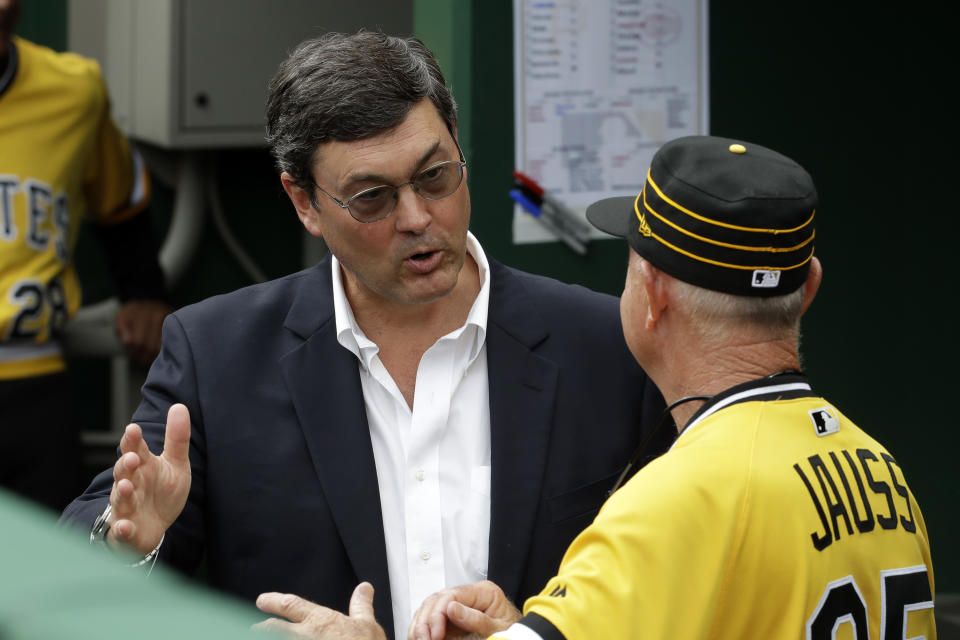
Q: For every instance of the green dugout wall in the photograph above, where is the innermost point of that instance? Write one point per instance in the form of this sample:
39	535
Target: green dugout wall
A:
859	97
856	95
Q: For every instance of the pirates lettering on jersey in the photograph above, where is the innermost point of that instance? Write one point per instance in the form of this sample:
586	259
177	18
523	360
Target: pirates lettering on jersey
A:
8	226
46	215
846	490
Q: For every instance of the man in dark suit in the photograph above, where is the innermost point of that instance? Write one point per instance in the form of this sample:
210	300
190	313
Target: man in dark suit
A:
408	412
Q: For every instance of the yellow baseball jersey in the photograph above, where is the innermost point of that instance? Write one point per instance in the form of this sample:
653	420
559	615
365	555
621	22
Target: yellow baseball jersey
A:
772	516
61	157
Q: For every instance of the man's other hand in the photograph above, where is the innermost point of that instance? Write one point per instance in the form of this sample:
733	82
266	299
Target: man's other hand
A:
305	619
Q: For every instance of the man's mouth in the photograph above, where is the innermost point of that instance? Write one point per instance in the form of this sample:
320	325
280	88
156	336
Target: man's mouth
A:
424	262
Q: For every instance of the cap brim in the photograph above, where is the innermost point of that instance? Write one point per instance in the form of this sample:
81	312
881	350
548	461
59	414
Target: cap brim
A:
613	215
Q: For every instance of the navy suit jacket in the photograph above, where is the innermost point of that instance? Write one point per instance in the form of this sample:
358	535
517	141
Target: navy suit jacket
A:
284	490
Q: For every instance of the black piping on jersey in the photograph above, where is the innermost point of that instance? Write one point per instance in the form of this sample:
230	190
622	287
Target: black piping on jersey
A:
541	626
782	385
6	77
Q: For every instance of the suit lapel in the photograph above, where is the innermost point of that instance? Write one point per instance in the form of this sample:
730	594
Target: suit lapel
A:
522	394
325	389
324	386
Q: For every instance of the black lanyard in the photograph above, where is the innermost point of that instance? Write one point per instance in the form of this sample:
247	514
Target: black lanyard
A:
662	420
643	446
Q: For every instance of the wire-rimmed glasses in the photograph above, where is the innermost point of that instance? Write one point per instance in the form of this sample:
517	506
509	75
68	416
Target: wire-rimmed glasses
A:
376	203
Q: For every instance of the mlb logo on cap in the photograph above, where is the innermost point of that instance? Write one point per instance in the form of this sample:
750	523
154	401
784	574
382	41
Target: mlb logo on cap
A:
765	279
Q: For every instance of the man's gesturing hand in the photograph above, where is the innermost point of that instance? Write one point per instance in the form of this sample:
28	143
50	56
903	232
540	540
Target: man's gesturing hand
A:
149	491
310	620
481	608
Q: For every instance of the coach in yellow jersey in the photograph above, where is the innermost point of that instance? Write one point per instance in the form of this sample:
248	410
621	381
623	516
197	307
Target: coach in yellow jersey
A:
773	515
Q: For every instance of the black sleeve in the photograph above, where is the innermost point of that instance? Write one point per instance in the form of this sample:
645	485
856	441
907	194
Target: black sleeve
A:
131	251
543	627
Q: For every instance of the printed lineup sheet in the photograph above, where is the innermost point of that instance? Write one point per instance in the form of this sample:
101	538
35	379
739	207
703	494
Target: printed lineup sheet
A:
599	86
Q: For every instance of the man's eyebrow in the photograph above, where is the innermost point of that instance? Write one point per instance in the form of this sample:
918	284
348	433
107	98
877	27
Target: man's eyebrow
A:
379	178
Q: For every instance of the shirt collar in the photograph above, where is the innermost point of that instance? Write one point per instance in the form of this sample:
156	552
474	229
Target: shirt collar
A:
351	336
779	386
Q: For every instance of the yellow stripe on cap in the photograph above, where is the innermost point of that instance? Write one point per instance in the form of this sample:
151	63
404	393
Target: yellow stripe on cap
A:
645	230
726	264
710	241
723	224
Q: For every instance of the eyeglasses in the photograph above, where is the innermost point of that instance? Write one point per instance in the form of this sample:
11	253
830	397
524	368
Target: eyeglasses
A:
376	203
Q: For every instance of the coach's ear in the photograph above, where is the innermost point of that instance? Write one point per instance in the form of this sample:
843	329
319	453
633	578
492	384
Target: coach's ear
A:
812	283
303	203
654	284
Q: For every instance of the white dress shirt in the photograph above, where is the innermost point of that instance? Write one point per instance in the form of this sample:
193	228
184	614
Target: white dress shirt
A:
433	462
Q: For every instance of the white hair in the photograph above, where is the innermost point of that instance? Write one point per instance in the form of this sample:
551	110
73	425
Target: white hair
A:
712	311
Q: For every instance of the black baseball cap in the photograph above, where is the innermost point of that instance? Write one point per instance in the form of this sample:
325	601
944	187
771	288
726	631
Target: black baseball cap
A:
721	214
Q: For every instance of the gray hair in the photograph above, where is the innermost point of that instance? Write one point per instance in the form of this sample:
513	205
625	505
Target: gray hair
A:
777	316
348	87
712	311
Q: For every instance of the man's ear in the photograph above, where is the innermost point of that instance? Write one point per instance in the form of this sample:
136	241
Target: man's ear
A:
309	216
812	284
655	290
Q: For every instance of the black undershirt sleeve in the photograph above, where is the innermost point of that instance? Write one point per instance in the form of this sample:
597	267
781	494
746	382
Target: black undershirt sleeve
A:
131	252
543	627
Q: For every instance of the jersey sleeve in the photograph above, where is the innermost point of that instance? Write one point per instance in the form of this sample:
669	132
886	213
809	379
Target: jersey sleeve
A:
655	554
116	181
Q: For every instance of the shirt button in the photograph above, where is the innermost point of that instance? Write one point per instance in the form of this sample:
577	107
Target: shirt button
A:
421	475
425	555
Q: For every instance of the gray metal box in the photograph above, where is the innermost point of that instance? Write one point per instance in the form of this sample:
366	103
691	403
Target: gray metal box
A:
189	74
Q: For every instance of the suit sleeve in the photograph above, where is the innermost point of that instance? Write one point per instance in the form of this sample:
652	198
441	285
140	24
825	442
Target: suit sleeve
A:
171	380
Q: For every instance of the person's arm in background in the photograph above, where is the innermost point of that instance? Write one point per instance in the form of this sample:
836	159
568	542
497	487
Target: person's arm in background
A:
131	255
117	188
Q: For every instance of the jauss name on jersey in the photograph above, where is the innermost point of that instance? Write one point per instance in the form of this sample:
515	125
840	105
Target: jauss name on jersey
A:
860	490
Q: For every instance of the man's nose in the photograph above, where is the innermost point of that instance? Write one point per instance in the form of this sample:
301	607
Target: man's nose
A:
412	213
